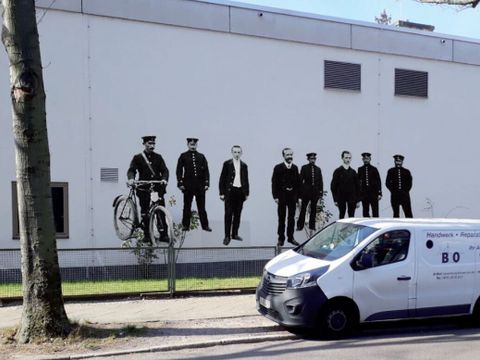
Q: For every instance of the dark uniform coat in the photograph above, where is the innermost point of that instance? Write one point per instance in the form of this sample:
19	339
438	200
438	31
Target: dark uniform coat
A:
399	179
399	182
193	175
370	189
138	164
192	170
369	181
311	181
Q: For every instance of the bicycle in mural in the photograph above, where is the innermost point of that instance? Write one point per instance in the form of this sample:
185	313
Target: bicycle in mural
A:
126	218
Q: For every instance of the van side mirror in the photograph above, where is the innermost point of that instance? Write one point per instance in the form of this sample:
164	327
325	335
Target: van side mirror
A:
365	261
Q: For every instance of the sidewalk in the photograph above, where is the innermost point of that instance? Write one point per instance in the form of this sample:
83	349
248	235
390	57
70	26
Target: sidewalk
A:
172	323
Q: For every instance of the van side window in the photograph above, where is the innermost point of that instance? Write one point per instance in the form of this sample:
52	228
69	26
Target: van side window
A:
386	249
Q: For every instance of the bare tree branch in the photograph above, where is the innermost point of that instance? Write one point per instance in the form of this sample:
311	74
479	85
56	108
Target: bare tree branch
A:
468	3
45	12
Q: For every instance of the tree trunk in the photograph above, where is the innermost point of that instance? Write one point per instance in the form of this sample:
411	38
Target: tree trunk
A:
43	313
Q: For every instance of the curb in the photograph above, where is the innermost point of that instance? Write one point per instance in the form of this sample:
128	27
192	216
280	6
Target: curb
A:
193	345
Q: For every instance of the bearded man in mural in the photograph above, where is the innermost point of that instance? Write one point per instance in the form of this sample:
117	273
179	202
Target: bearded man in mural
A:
285	190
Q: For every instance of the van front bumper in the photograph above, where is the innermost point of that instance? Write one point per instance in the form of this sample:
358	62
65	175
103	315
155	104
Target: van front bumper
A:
289	307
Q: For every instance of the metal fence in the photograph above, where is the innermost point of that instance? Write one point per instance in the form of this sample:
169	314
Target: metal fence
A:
114	271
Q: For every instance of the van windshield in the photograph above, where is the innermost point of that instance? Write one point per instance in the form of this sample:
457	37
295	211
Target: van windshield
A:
335	241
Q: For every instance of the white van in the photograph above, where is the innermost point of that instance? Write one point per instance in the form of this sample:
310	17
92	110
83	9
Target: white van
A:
362	270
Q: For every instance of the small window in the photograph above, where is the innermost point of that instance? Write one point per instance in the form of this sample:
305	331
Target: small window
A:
411	83
60	209
388	248
342	75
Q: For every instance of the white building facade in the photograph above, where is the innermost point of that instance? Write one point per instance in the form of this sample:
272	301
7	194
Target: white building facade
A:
228	74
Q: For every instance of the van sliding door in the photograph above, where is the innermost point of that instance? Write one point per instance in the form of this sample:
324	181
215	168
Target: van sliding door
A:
446	271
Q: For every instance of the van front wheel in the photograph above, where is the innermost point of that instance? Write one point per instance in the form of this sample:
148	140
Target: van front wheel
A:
337	320
475	318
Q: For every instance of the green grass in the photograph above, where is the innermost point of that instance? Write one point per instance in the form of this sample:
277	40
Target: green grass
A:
76	288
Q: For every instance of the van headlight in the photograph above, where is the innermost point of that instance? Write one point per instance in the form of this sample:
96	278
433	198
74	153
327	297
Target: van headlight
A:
306	279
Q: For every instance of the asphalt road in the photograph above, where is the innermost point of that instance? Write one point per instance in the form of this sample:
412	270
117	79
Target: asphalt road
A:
438	339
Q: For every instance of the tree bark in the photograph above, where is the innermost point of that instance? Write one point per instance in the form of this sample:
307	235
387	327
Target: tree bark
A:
43	313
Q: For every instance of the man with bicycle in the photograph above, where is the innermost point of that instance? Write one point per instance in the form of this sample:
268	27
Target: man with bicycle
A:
150	166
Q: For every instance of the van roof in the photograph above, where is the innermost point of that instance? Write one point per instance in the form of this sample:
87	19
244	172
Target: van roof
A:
381	223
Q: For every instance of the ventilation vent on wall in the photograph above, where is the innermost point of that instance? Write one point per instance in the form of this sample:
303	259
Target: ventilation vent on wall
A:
109	175
411	83
341	75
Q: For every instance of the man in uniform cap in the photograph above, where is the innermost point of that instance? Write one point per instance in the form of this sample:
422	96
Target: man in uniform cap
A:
345	187
193	179
150	166
234	190
285	188
311	190
399	182
370	186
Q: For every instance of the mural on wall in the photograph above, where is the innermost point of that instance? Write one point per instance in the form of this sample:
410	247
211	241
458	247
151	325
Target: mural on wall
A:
143	214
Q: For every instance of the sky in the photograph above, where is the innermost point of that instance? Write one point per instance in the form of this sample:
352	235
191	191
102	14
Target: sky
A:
464	22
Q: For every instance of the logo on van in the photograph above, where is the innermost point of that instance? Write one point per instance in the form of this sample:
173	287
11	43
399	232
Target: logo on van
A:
446	259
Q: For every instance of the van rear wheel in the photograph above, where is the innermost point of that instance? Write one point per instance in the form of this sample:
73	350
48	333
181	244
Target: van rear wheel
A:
337	320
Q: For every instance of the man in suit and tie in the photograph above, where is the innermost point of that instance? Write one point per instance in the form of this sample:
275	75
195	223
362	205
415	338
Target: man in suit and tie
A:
399	182
234	190
311	190
345	187
370	186
285	189
150	166
193	179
